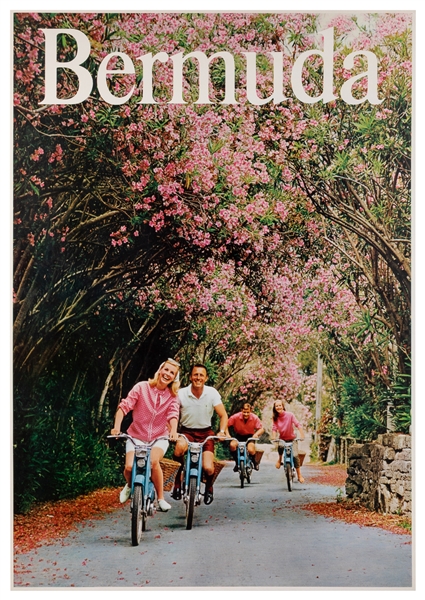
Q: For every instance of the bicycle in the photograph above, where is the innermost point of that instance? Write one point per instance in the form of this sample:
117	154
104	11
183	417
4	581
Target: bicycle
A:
244	461
287	460
142	489
192	476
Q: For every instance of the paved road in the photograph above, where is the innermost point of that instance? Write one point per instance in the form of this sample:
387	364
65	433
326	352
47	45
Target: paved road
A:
258	536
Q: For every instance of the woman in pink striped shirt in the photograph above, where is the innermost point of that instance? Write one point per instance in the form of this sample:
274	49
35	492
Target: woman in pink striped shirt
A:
155	409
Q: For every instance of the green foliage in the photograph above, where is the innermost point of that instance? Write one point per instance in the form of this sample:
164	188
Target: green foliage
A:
222	451
308	361
339	494
314	452
405	525
52	463
401	400
361	416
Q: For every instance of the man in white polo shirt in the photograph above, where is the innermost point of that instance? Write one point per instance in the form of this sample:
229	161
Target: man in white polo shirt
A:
197	405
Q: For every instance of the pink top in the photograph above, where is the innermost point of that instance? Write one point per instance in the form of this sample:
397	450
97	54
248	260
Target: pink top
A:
152	410
285	426
243	427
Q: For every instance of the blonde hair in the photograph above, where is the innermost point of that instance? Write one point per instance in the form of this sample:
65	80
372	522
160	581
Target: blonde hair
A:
174	385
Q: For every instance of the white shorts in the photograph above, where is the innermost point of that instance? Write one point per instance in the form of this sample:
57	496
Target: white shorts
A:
129	446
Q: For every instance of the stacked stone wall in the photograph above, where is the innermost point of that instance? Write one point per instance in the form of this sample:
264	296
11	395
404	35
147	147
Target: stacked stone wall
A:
379	474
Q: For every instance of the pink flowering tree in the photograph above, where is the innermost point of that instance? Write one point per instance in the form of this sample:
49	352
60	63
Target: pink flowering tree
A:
360	182
236	234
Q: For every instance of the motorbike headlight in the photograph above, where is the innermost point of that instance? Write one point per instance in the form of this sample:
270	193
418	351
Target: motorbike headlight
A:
194	458
141	462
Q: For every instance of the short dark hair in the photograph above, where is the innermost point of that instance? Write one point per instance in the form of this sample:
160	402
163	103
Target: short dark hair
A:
200	366
248	405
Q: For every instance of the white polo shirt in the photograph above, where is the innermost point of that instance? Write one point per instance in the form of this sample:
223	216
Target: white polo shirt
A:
196	413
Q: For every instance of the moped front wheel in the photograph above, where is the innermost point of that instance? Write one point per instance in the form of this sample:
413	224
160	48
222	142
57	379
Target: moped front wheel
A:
138	518
242	473
288	472
190	506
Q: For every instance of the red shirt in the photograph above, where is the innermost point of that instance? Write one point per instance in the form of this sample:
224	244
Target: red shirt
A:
152	409
242	427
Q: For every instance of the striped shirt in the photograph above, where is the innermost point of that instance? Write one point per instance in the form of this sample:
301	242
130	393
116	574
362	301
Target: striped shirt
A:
152	410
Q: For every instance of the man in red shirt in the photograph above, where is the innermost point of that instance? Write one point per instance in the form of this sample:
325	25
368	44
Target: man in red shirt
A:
245	424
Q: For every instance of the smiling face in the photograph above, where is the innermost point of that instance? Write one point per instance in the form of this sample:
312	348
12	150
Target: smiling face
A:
246	411
198	378
166	375
278	405
278	409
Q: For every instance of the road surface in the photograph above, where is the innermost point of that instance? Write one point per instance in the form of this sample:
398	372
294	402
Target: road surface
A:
258	536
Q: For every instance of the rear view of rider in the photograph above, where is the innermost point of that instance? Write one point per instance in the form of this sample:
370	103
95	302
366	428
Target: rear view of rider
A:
245	424
283	428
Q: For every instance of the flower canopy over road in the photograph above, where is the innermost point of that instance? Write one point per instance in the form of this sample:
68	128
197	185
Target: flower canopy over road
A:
248	236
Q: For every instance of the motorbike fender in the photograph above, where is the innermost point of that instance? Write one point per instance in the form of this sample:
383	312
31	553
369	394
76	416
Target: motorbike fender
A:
140	479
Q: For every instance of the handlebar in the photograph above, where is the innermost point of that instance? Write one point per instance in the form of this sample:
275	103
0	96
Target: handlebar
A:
289	441
210	437
251	439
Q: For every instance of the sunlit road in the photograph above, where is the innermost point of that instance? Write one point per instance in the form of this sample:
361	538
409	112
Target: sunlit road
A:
258	536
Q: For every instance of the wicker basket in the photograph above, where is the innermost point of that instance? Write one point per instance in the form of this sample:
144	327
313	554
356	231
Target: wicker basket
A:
218	466
169	468
258	456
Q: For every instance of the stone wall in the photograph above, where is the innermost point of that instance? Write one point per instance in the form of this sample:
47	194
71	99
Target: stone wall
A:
379	474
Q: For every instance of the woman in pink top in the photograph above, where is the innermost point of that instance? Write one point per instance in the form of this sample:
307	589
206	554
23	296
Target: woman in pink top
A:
155	409
283	429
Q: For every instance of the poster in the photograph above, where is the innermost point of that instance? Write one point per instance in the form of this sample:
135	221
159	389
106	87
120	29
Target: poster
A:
226	144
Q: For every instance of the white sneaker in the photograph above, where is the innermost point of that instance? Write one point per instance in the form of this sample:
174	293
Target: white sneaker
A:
125	493
163	505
